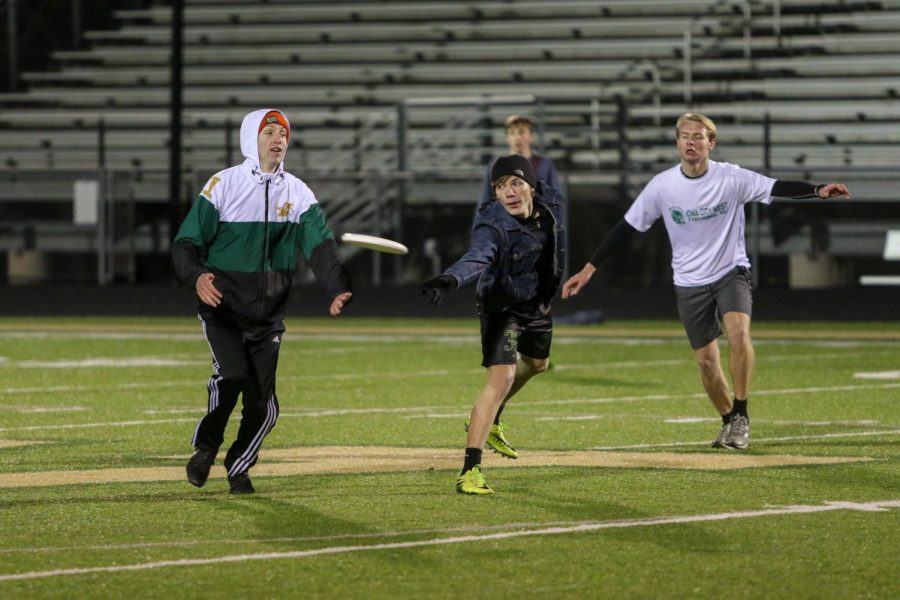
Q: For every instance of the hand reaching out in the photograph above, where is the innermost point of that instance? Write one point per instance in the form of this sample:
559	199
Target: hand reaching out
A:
833	190
339	302
577	281
436	288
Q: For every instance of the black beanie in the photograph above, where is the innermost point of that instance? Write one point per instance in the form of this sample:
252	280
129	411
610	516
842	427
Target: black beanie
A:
515	165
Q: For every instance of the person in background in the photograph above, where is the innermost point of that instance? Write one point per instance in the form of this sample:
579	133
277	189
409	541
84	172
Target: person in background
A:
519	138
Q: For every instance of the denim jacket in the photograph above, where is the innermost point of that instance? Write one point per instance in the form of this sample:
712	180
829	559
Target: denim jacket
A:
503	253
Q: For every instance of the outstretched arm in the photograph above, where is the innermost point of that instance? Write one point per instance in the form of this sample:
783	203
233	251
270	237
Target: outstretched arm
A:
801	189
483	250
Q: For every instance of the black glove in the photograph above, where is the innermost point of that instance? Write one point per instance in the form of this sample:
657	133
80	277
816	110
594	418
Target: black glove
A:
437	287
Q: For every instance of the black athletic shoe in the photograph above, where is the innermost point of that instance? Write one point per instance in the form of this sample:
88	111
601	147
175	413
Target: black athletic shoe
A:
198	466
240	484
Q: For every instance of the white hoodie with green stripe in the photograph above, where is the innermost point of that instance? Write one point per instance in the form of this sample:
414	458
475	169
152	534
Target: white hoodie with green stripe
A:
246	227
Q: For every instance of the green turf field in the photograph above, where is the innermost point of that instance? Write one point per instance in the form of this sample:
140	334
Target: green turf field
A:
355	488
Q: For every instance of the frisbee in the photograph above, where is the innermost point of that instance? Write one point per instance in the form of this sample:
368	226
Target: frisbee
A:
376	243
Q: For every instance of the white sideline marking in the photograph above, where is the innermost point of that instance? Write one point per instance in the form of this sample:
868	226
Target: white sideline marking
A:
772	439
416	409
877	506
86	388
878	375
692	420
431	373
330	412
157	361
102	424
90	363
41	409
97	335
602	366
447	338
572	418
291	539
323	412
702	395
689	420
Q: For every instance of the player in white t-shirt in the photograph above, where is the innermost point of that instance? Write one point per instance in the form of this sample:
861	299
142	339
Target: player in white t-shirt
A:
701	202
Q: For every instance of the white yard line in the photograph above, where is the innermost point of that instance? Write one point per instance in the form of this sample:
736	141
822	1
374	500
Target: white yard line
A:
41	409
289	539
430	337
438	409
878	375
94	425
690	420
785	391
605	366
754	440
420	373
104	362
87	388
877	506
572	418
100	335
330	412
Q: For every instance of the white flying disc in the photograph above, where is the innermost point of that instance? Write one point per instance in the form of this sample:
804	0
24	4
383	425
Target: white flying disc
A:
372	242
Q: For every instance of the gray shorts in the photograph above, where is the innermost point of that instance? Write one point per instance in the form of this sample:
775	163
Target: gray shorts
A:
701	307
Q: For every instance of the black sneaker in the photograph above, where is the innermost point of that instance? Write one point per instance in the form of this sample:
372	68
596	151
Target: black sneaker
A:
198	466
240	484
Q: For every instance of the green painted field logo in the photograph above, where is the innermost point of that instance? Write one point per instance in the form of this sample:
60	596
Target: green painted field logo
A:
677	215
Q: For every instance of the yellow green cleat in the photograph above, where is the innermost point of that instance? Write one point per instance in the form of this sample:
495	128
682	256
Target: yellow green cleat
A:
472	482
497	442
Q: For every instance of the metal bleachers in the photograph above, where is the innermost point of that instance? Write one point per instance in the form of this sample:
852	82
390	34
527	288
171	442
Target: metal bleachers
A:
339	62
825	72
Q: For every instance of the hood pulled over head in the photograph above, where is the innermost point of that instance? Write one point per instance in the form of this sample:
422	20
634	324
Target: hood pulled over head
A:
251	126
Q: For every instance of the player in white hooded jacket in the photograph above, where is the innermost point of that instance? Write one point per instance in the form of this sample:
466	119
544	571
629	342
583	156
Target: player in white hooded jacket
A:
237	248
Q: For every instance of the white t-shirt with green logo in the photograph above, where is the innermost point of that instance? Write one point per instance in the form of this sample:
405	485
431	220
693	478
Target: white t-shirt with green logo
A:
704	218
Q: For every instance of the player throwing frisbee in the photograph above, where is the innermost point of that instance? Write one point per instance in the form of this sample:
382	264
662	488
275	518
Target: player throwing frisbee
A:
515	257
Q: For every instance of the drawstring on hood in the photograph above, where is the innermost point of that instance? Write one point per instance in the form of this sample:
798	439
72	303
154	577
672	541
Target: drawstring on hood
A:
250	127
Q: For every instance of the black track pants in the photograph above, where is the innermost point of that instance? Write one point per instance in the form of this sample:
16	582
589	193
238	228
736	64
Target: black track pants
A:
244	364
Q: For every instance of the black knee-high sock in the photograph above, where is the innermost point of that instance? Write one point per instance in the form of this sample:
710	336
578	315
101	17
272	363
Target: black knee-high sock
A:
497	416
739	408
473	457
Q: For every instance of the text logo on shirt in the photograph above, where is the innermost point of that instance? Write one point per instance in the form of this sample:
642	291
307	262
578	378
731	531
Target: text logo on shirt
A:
682	216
